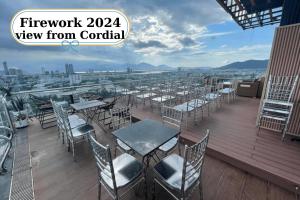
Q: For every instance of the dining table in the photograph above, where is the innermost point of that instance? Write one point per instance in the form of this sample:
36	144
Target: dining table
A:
145	137
88	108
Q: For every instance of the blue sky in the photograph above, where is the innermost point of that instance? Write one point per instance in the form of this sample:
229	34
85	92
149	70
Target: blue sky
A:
178	33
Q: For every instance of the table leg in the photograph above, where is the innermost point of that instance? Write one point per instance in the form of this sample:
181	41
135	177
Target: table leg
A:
71	98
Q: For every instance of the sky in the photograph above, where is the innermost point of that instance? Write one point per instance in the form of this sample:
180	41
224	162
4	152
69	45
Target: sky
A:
178	33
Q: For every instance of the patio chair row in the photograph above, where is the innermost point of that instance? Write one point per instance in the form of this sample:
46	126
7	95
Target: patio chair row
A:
71	128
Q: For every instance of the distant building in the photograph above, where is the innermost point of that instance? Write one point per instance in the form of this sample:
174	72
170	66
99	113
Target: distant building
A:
15	71
75	79
69	69
6	72
129	70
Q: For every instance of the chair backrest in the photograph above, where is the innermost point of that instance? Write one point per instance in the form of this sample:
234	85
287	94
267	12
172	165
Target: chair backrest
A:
171	116
5	117
193	160
82	99
57	113
102	155
200	92
120	117
281	88
64	120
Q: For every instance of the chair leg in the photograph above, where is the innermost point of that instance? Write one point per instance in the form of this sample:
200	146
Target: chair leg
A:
115	152
95	134
69	147
99	191
145	188
73	150
200	191
153	190
179	151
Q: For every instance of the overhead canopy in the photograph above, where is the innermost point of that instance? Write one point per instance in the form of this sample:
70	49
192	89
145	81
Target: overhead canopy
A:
253	13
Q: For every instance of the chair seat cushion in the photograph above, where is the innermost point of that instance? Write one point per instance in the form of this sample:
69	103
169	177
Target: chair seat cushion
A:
123	145
163	98
226	90
126	169
169	145
75	121
212	96
82	130
169	170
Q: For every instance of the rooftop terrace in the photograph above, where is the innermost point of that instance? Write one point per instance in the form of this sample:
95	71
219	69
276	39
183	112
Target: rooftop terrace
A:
239	163
57	176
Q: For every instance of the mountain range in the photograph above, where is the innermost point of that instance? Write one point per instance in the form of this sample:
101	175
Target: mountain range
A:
248	64
84	66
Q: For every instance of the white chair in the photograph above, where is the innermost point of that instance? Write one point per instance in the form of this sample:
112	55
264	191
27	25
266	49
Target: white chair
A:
173	118
75	120
228	89
213	96
121	117
74	135
119	175
179	176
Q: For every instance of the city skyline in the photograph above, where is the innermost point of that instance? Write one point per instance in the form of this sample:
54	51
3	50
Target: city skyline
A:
185	35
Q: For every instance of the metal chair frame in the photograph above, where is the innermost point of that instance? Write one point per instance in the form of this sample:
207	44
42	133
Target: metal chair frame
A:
104	163
277	105
120	117
8	140
231	93
44	111
172	118
59	120
68	132
192	166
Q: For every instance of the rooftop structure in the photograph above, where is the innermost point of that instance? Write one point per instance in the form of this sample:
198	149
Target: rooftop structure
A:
255	13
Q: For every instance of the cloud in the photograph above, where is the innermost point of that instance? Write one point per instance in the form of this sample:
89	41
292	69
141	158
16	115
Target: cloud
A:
162	32
150	43
187	41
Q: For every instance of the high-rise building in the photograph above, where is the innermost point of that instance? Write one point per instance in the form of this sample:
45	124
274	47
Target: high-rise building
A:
15	71
75	79
6	72
69	69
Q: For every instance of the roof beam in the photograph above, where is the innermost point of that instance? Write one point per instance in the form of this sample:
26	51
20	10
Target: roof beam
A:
238	3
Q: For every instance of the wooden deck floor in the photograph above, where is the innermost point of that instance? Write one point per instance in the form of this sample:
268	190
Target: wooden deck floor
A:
56	176
234	139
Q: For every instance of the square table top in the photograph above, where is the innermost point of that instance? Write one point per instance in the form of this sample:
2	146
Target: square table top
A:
130	92
121	90
163	98
142	87
190	105
146	136
226	90
227	83
72	92
183	92
146	95
87	104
